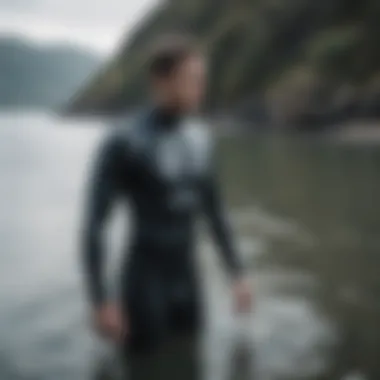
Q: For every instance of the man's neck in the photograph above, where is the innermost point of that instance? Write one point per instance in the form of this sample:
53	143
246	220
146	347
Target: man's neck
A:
167	117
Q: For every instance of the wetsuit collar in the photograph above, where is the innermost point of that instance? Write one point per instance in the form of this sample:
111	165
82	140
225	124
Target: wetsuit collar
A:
165	118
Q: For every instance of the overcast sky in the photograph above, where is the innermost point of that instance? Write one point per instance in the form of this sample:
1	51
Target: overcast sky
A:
98	24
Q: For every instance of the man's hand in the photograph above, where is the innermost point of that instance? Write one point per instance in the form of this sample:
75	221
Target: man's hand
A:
243	295
109	322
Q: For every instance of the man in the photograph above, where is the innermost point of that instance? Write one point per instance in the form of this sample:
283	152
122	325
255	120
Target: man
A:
162	164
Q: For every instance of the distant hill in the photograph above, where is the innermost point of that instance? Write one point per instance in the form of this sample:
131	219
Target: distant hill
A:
36	76
294	62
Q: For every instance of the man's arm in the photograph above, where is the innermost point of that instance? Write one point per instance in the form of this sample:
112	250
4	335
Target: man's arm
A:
213	206
103	188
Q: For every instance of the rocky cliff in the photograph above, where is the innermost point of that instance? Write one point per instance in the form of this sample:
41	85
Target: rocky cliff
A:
287	63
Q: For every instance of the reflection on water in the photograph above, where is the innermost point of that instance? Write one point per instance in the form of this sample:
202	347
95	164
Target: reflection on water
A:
306	215
327	193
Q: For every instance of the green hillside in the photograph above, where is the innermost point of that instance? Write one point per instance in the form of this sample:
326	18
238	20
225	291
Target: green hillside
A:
296	61
34	76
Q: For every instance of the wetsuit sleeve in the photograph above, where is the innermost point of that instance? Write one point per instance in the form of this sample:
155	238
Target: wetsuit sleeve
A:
102	192
213	206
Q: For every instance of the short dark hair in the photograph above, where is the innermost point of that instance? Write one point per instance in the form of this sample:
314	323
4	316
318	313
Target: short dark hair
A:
168	51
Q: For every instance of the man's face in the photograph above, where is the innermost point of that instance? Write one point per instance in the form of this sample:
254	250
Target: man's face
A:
190	82
185	87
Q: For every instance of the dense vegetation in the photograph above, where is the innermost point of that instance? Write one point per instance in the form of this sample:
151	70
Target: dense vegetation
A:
286	62
34	76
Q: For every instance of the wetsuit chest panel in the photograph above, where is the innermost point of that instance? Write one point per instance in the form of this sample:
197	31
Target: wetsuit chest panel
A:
171	165
182	154
180	165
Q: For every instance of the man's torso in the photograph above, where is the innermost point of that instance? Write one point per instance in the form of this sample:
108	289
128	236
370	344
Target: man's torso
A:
163	172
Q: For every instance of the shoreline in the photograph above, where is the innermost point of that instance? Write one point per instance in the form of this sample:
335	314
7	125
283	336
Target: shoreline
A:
365	132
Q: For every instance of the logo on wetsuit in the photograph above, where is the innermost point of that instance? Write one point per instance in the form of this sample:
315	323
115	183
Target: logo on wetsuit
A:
181	162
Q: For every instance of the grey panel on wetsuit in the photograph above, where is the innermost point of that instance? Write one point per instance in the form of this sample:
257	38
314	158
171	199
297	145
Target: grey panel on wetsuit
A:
168	176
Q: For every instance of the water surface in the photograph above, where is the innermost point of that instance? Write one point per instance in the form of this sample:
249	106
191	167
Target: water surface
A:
305	213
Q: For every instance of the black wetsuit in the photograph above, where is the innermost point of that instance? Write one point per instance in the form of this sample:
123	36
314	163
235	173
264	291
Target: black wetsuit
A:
162	165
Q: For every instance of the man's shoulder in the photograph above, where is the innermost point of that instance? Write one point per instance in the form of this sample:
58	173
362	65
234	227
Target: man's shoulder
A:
200	130
201	136
126	129
124	124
